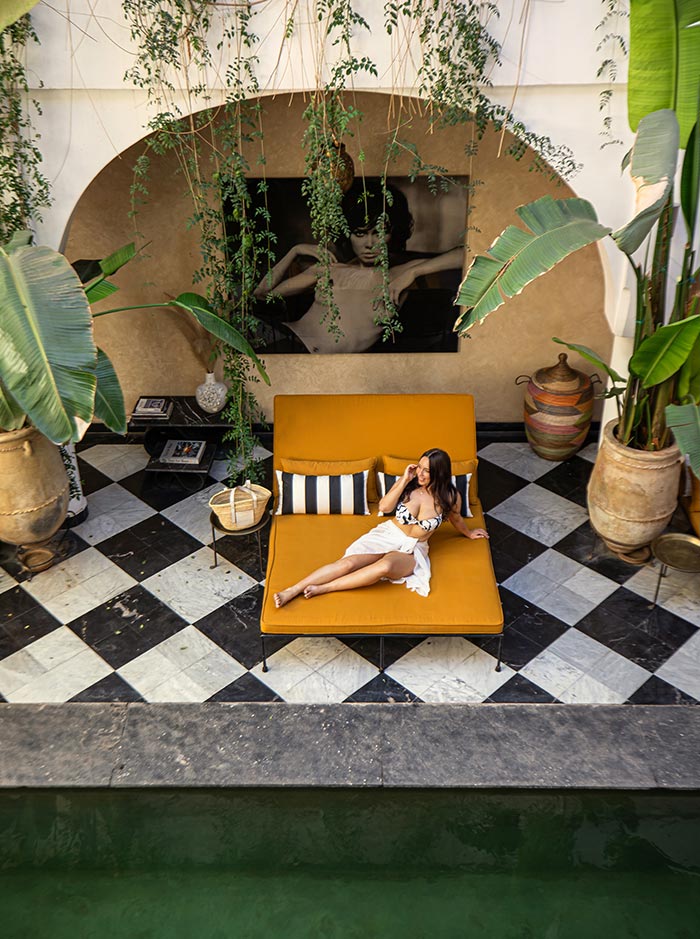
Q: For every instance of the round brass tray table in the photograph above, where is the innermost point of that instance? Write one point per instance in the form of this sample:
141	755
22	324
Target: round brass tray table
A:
678	551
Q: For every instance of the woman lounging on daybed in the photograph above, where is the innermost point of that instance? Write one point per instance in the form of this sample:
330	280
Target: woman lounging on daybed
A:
395	550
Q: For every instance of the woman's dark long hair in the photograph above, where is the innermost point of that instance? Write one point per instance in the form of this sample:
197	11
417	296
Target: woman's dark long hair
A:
364	203
441	487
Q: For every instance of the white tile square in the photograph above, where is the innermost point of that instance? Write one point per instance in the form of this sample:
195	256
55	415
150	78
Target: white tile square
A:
579	649
178	687
193	588
679	592
6	581
116	460
517	458
192	514
18	670
148	671
540	514
552	673
451	689
317	651
112	509
431	662
214	671
56	648
285	670
348	671
589	691
314	689
63	682
619	674
682	669
589	452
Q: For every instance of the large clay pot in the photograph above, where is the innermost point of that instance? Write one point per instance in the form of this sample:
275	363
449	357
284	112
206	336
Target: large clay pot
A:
558	408
632	494
33	487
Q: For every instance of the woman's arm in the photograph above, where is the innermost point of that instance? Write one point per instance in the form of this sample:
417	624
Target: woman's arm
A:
455	516
273	281
403	275
389	501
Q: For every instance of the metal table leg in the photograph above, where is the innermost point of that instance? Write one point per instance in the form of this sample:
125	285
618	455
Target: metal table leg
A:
663	570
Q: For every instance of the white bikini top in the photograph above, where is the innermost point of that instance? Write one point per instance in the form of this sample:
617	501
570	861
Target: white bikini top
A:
406	517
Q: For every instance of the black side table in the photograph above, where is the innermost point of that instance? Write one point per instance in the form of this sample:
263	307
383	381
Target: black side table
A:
239	533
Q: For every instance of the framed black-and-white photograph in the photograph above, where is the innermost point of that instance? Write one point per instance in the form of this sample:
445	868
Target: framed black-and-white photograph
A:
425	234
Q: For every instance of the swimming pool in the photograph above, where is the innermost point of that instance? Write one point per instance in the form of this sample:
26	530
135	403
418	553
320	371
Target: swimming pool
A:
344	863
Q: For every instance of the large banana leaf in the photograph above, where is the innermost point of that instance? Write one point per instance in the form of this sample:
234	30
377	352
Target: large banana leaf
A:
12	10
12	417
689	375
663	62
661	355
47	353
109	400
557	228
690	181
593	357
652	167
684	421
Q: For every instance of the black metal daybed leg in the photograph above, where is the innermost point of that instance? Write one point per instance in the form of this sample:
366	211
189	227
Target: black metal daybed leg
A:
381	653
264	660
500	646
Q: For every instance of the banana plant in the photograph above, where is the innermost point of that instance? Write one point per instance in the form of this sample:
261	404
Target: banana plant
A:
665	366
51	373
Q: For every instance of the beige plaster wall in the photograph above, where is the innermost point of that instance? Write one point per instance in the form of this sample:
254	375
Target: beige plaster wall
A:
152	350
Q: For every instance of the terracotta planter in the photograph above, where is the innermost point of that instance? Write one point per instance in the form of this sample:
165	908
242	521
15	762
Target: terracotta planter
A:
33	487
632	494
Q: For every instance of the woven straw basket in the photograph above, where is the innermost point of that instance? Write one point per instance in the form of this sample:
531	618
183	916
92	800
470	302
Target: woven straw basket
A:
240	507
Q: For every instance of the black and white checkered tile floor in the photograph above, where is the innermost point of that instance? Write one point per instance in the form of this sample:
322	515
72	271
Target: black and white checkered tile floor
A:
136	612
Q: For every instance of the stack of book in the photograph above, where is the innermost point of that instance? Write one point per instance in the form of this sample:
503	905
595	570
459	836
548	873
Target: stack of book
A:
152	409
183	451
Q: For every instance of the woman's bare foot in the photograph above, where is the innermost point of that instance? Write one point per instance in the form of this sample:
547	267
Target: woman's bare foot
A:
284	596
313	590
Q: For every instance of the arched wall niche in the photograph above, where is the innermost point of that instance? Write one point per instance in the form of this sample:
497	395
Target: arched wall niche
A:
152	350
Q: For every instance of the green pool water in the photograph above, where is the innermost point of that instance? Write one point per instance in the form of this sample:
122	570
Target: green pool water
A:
343	863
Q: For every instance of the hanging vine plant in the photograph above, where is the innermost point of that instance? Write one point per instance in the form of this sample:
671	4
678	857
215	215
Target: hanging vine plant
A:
25	190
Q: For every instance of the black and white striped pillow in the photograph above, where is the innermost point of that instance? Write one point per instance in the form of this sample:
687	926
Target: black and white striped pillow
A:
386	480
322	495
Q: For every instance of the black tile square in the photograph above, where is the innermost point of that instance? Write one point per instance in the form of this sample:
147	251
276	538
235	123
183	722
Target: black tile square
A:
149	547
65	544
91	478
584	546
517	649
395	647
246	688
569	479
161	490
617	634
24	628
657	691
111	688
504	566
658	623
242	550
497	484
235	627
518	690
513	605
538	626
629	606
382	690
13	602
127	626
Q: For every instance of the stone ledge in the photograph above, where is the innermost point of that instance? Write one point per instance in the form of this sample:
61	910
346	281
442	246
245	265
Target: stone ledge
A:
510	746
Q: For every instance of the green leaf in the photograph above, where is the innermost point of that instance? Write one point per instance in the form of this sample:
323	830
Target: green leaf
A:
661	355
557	228
18	240
47	353
99	289
109	400
653	167
593	357
663	61
110	265
12	10
689	375
690	182
684	421
12	416
199	308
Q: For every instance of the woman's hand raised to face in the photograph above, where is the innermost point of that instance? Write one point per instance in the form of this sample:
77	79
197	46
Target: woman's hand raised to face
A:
410	471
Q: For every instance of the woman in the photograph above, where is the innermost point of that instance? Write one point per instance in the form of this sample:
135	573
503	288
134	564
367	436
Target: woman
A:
357	283
396	550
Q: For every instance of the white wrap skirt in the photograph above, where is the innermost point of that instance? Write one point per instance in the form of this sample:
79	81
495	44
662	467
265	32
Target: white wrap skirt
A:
386	537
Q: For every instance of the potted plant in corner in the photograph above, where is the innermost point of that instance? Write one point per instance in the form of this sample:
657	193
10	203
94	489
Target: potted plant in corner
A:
633	489
54	380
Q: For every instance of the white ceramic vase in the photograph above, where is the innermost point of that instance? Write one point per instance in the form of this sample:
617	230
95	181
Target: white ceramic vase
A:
211	394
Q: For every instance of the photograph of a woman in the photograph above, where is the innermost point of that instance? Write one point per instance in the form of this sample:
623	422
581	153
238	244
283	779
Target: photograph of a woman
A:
357	284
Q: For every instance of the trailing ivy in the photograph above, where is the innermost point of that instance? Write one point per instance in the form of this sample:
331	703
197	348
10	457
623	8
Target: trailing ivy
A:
25	190
611	44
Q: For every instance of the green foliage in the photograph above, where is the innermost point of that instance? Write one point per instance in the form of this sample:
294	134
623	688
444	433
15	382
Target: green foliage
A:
24	188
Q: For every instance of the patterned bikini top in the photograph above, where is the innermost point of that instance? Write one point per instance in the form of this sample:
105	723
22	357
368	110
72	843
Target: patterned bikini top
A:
406	517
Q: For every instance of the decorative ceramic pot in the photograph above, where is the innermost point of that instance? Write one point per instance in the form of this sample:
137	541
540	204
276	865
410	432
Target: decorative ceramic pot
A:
211	395
632	494
33	487
558	409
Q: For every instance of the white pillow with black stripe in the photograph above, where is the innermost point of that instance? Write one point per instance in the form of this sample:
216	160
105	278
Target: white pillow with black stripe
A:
322	495
386	480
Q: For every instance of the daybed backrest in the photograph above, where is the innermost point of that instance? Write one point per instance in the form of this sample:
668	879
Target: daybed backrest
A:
347	427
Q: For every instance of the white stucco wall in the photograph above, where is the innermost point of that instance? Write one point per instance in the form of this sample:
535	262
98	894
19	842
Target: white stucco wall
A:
90	114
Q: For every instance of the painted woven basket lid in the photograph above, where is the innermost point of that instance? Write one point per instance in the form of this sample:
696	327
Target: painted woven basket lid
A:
560	378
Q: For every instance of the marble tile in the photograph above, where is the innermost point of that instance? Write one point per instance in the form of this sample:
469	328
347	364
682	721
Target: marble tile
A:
314	689
7	582
193	589
285	670
348	671
187	647
66	575
179	687
116	460
591	585
56	647
317	652
451	689
619	674
219	470
555	566
682	669
214	671
540	514
148	670
529	584
552	673
589	691
579	649
18	670
192	514
430	662
61	683
479	672
679	592
112	509
518	458
589	452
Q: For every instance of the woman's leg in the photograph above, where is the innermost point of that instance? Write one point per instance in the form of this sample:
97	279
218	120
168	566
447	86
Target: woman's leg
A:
323	574
392	565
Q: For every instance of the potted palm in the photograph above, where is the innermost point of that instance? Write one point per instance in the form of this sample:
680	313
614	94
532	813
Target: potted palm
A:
629	502
53	379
